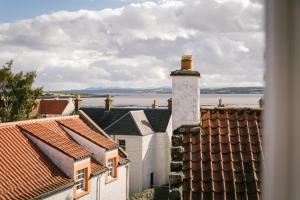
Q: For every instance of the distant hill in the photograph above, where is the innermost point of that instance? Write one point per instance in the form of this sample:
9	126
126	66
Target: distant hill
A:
101	91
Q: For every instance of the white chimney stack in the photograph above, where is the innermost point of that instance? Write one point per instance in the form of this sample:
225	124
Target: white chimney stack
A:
185	94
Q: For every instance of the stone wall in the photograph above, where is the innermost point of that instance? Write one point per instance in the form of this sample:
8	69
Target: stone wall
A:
181	162
176	176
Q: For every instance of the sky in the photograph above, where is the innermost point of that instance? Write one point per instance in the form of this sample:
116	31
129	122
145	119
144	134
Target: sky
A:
78	44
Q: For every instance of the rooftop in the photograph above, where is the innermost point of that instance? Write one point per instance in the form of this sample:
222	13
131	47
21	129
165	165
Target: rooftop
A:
26	172
55	138
50	106
124	121
222	157
79	127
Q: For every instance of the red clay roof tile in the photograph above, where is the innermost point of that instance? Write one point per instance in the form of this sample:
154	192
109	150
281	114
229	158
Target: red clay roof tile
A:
25	172
79	127
56	139
230	155
53	106
96	166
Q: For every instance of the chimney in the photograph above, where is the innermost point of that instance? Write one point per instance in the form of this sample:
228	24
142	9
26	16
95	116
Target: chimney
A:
185	94
108	103
220	103
170	104
77	103
261	102
154	105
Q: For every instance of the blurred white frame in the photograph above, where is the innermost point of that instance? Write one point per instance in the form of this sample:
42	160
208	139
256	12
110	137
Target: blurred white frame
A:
281	178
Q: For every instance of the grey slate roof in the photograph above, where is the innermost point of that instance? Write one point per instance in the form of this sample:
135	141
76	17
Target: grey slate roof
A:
158	119
132	123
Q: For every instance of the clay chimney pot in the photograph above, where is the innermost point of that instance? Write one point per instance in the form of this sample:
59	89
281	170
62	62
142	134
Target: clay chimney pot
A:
186	62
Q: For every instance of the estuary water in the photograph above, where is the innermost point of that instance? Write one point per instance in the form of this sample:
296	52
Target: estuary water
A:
146	100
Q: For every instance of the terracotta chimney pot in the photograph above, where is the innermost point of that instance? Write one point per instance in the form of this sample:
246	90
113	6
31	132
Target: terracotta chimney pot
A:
186	62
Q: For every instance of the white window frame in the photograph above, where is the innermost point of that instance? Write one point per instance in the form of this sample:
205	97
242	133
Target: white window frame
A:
281	115
81	180
111	167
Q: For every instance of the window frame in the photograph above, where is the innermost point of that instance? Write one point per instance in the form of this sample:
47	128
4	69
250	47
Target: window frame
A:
123	146
112	157
82	180
111	167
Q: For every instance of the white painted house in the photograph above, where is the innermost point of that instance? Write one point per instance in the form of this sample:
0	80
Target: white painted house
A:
145	135
61	158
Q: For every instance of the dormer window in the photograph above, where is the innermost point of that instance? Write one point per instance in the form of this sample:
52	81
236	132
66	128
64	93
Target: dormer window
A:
111	167
81	180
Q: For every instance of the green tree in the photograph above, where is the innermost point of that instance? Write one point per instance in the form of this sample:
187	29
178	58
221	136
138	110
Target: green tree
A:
17	97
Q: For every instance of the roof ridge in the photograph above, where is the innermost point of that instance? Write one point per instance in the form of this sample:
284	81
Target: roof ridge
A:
54	99
230	108
136	111
30	121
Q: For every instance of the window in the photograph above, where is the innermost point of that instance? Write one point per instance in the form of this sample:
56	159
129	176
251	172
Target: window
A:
111	167
122	143
80	180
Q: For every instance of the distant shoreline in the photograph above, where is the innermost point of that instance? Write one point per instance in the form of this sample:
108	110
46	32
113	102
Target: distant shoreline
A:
103	92
133	95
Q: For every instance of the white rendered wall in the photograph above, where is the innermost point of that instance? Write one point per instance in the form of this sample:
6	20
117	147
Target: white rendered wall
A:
134	151
61	160
115	190
185	101
148	159
162	158
62	195
147	154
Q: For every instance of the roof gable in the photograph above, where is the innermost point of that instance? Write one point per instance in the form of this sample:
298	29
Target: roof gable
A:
125	125
158	118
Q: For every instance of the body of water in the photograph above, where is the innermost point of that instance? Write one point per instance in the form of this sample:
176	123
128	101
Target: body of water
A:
146	100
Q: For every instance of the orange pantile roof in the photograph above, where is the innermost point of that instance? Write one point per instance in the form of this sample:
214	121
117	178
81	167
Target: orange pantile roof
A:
53	106
25	172
222	158
96	167
79	127
55	138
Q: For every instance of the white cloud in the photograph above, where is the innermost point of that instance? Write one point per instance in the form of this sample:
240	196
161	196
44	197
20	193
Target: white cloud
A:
139	44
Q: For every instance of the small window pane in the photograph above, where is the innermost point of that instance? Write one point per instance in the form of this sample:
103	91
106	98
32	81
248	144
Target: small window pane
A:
110	166
122	143
80	180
